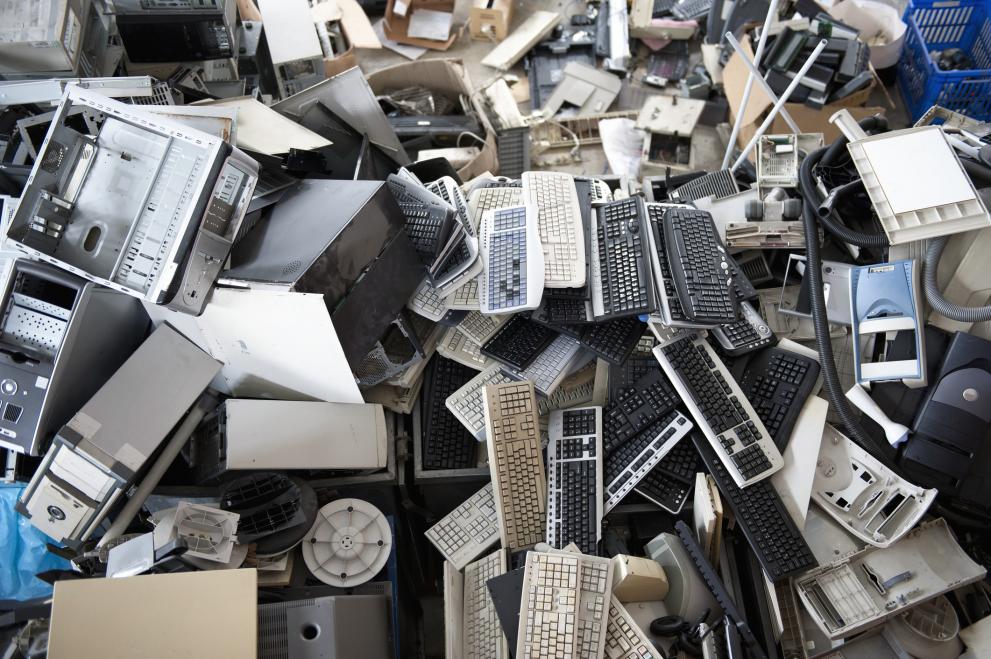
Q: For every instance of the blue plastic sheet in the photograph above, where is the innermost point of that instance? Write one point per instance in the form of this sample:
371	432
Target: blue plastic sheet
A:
22	551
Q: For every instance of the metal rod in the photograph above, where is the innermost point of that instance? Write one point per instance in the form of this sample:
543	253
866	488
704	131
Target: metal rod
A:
772	13
204	404
780	104
763	83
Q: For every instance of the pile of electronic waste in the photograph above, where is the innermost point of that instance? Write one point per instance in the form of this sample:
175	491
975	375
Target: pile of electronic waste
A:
349	365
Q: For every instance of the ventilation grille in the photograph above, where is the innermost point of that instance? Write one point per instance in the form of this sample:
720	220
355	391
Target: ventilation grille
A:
716	184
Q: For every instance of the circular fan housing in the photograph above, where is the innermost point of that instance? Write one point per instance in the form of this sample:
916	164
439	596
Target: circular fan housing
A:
348	544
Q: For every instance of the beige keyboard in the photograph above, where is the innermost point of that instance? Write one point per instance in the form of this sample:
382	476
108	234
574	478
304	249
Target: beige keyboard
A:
483	637
565	606
624	638
457	346
515	463
468	530
559	222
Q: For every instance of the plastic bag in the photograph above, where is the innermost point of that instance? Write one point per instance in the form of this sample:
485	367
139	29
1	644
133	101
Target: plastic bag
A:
22	551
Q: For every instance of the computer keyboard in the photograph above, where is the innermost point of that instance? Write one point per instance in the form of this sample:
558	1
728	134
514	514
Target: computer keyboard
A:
566	306
512	260
574	478
718	590
622	283
649	399
467	404
560	225
633	459
565	606
429	219
700	267
446	442
458	262
482	635
748	334
516	464
447	189
551	366
720	409
613	340
624	637
464	297
668	302
576	389
486	199
669	483
466	532
766	523
777	383
427	302
479	327
456	345
518	342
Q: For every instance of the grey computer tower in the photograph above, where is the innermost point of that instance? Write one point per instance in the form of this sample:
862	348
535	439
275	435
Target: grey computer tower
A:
103	447
42	36
345	240
139	203
61	338
336	627
289	54
273	435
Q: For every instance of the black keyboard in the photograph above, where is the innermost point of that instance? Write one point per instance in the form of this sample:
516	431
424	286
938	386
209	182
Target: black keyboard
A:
734	620
628	463
722	411
566	306
773	536
613	340
742	286
518	342
647	401
429	219
777	383
446	443
624	377
669	483
574	483
625	283
700	267
672	310
749	334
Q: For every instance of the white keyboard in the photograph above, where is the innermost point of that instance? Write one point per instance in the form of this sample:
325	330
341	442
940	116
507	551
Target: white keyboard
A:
516	464
465	297
559	220
483	637
486	199
456	345
467	404
551	366
427	303
512	260
564	611
466	532
624	637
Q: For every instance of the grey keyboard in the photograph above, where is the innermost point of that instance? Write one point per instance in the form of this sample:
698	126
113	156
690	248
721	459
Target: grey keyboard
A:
427	302
513	264
483	637
559	220
467	404
515	463
551	366
457	346
463	534
564	612
479	327
447	189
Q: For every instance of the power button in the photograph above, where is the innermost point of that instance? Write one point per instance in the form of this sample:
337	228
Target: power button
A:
8	387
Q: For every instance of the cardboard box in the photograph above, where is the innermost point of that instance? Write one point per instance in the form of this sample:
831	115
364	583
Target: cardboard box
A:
498	16
447	77
809	120
397	22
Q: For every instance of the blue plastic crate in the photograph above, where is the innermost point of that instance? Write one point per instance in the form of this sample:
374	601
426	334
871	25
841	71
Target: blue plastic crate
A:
935	25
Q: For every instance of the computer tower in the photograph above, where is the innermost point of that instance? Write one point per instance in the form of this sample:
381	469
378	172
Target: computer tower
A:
96	456
177	30
42	36
61	338
141	204
289	54
345	240
241	436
